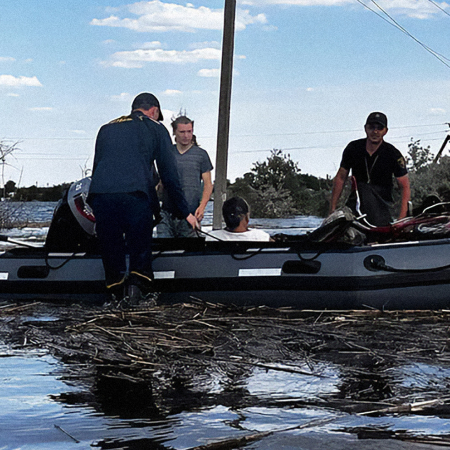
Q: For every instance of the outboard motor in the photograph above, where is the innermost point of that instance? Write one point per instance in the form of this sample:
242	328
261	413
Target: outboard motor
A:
73	224
77	200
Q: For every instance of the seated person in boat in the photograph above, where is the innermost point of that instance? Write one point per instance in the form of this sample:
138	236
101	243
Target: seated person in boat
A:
373	163
236	214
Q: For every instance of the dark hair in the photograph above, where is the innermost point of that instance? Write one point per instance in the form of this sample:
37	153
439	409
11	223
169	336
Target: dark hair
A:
183	120
146	101
234	210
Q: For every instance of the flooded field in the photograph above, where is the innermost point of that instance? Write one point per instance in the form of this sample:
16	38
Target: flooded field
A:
202	376
171	378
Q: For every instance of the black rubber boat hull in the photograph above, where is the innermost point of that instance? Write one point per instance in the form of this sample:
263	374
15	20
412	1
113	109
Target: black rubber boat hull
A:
410	275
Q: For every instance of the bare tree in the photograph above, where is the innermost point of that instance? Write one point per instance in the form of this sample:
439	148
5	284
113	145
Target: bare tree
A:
85	170
5	152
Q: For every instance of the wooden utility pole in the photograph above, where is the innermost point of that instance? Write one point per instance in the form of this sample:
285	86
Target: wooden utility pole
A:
439	153
226	76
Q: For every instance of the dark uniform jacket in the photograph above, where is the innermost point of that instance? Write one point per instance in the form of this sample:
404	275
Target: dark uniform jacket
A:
124	154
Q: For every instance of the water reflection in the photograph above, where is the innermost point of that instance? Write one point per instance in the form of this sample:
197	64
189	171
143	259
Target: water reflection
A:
41	411
277	385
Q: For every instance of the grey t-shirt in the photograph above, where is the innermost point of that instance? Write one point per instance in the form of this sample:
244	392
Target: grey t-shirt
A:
191	166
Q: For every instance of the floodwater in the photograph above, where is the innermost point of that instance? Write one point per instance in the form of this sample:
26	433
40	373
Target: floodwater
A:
42	409
42	212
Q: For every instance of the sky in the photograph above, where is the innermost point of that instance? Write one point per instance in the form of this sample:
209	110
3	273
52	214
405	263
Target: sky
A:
306	75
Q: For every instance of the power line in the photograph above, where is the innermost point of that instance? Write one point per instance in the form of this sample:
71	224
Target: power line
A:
239	135
47	139
404	30
40	158
45	154
395	24
302	133
260	134
439	7
317	147
421	134
396	139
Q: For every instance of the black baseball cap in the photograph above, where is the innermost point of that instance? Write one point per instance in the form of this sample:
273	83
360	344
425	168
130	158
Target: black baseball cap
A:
146	101
377	117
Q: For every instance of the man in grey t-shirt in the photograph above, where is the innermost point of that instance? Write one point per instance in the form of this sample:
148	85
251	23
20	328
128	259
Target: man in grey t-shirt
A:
194	170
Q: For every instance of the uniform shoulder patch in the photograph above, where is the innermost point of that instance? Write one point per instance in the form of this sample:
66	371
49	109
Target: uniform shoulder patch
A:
121	119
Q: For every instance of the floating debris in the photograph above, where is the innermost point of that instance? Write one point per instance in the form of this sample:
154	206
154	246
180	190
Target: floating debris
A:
156	360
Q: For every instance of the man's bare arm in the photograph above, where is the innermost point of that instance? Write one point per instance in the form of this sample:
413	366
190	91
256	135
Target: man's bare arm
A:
338	186
403	183
207	191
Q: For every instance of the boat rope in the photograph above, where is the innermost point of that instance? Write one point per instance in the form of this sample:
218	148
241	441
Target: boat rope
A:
259	250
380	265
199	232
250	255
232	254
302	258
47	263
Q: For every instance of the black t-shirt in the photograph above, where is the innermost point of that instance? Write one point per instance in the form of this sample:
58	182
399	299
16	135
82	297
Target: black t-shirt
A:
376	169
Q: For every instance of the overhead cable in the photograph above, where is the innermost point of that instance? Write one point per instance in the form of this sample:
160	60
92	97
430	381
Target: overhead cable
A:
395	24
439	7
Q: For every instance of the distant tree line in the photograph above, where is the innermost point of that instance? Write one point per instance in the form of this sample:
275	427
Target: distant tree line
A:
34	193
276	188
10	190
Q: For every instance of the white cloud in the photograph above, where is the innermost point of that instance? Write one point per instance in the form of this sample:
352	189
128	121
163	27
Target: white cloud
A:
437	111
419	9
41	108
156	16
7	59
123	97
11	94
244	18
167	113
214	73
210	44
151	45
78	131
10	80
209	73
296	2
137	58
172	92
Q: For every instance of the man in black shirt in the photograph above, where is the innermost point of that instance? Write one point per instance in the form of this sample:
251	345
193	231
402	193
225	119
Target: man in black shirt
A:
373	163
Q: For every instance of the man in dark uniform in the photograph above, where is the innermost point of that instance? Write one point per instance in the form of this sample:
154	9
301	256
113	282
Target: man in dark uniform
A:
122	192
373	163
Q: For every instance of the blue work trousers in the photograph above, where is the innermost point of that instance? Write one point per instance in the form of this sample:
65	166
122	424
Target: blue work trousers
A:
124	225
